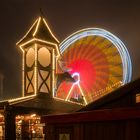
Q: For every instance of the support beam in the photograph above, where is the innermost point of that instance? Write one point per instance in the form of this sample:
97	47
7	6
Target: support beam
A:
10	127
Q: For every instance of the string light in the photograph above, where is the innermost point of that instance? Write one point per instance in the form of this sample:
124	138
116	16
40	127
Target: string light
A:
21	99
35	69
23	75
27	32
69	92
61	99
77	83
106	90
50	30
41	41
37	26
53	70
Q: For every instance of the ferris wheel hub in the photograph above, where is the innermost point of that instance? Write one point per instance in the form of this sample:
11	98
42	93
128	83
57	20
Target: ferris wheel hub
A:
76	76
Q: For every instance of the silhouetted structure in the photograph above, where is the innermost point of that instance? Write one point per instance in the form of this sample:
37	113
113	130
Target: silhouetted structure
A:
115	116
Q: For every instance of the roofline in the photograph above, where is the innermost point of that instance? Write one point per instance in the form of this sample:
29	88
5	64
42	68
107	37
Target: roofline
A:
42	41
38	23
27	32
20	99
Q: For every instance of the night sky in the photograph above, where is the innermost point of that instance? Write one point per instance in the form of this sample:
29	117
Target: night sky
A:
122	18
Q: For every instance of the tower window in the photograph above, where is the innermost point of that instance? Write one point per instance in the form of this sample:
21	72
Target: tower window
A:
138	98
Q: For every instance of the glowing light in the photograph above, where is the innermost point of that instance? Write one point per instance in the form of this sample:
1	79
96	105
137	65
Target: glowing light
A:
35	69
37	26
126	61
27	43
78	77
21	49
47	42
19	122
42	41
23	73
107	90
55	51
82	94
21	99
50	30
27	32
53	71
33	115
60	99
69	92
77	83
137	98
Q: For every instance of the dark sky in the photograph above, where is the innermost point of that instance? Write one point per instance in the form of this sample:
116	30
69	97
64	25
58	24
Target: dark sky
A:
122	18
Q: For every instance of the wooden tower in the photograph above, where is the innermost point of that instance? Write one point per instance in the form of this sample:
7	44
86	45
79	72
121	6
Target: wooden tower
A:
40	53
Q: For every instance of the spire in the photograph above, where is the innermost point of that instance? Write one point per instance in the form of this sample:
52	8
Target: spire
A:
41	13
39	30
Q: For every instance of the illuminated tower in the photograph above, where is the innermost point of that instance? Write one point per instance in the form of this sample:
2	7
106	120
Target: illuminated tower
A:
40	52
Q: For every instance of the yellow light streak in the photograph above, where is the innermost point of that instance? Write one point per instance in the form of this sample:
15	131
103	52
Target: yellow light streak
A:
21	99
27	32
76	84
82	94
37	26
33	115
31	40
107	90
53	70
61	99
50	30
35	69
23	65
47	42
69	92
42	41
21	49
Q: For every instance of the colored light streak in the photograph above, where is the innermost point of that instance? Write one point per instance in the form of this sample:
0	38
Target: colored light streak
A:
77	83
23	86
37	26
35	70
76	74
36	29
106	90
50	30
78	67
126	61
20	99
27	32
41	41
86	70
100	58
53	72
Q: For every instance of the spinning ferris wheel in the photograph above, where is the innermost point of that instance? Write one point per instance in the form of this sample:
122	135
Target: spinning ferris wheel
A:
98	61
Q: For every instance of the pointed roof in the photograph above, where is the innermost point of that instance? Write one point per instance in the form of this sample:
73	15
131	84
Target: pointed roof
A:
39	30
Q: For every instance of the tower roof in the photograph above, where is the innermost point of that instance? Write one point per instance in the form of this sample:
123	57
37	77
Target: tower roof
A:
39	30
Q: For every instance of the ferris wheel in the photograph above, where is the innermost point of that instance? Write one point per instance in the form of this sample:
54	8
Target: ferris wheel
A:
98	61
